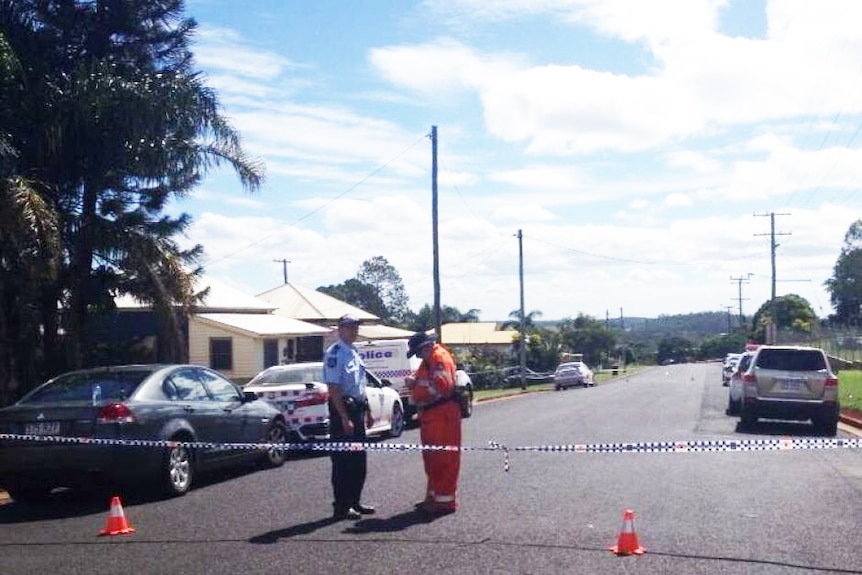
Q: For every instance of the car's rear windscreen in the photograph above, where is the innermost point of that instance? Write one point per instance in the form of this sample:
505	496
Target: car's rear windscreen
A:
113	386
791	359
281	376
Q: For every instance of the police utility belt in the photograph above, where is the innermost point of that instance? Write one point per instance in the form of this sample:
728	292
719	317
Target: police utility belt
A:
354	405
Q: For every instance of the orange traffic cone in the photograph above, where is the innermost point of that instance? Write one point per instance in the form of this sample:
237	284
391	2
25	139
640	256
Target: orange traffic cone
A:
117	524
627	543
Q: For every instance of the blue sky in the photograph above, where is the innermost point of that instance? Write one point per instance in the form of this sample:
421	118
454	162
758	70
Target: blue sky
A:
636	144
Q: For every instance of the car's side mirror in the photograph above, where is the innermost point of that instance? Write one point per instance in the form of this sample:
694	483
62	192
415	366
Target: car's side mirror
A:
248	396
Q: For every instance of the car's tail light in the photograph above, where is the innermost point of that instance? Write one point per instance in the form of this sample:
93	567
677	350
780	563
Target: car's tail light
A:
315	398
115	413
749	378
830	382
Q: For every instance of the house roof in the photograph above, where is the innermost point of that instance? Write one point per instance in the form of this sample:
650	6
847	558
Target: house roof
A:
475	333
221	297
378	331
266	325
291	300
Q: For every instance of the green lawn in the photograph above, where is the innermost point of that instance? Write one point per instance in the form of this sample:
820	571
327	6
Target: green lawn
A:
492	393
850	389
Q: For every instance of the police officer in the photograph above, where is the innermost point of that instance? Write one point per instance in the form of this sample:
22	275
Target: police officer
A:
344	373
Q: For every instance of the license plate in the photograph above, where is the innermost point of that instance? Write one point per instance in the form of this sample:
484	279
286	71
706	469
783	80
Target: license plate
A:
791	384
42	428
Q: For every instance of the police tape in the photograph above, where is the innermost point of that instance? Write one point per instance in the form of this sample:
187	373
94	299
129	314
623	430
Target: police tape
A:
694	446
698	446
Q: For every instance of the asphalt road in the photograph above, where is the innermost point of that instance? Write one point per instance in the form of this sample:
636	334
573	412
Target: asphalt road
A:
726	512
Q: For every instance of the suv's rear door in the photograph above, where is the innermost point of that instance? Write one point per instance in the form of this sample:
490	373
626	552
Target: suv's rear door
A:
790	373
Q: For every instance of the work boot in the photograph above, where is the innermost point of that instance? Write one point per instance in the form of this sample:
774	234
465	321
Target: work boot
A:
364	509
349	513
435	508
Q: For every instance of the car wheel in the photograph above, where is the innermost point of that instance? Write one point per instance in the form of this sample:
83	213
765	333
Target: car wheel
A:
467	404
731	407
177	469
828	427
397	422
277	433
28	491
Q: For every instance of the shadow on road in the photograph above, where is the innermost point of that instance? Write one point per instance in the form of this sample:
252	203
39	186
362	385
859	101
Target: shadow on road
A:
271	537
388	525
377	525
779	427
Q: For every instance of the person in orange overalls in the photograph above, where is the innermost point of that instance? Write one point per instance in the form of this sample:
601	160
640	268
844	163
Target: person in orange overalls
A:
432	390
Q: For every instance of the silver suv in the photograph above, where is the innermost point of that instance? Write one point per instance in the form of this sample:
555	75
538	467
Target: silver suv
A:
790	382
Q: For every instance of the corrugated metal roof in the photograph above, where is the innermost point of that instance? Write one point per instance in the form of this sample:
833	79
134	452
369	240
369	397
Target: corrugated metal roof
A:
382	332
291	300
220	297
475	333
264	324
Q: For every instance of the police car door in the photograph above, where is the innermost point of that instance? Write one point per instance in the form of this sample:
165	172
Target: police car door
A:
376	398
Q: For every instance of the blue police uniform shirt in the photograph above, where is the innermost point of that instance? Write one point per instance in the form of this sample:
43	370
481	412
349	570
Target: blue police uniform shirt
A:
343	366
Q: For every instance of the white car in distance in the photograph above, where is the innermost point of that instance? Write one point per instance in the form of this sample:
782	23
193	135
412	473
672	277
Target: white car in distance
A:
298	391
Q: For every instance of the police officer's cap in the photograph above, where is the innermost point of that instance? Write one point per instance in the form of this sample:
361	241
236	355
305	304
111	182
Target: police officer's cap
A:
348	320
417	340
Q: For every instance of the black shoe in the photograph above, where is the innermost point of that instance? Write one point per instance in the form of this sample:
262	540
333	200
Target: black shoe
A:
348	513
364	509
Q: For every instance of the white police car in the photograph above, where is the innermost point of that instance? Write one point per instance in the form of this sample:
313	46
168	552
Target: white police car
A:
298	391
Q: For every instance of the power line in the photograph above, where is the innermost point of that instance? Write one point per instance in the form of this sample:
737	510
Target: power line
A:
606	257
314	211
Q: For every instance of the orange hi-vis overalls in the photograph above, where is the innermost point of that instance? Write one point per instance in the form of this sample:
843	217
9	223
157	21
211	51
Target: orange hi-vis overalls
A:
439	424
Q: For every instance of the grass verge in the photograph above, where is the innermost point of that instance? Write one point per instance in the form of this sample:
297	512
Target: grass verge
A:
485	394
850	389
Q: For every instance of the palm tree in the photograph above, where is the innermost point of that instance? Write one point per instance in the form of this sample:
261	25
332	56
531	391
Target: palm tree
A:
515	322
29	250
115	124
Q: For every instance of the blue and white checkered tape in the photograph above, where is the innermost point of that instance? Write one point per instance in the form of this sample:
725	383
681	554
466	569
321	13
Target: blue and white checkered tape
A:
685	446
696	446
390	373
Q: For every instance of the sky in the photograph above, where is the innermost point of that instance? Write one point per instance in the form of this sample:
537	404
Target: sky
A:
645	150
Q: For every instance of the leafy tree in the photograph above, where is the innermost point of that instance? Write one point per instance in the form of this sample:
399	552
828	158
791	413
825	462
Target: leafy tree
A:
588	336
386	281
29	252
359	294
424	319
719	347
543	349
115	124
845	285
787	312
674	348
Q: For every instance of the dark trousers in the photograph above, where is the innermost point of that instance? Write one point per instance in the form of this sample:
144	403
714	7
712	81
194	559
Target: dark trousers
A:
348	467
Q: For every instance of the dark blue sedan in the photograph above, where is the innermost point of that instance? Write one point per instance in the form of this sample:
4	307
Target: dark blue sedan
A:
124	404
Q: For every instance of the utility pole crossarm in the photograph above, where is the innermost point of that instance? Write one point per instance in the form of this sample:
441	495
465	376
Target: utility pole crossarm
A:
284	263
739	280
773	245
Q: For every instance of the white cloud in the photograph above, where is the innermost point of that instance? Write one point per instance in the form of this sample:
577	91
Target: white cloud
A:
633	190
223	49
677	201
